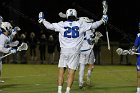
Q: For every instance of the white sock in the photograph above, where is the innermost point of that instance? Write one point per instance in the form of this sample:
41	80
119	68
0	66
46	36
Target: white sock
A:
138	89
89	73
68	90
81	72
59	89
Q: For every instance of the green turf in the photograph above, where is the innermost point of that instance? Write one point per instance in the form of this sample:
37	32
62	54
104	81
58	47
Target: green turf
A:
20	78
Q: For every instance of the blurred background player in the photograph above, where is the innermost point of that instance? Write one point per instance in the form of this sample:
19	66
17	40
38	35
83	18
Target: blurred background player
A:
87	54
32	44
42	47
71	36
5	38
22	54
51	49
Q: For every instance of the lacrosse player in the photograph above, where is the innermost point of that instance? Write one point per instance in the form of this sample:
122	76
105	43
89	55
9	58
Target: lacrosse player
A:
71	36
87	54
5	38
136	48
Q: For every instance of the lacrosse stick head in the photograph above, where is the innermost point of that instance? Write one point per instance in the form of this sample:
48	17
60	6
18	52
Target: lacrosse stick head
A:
23	46
105	7
119	51
125	52
131	52
98	34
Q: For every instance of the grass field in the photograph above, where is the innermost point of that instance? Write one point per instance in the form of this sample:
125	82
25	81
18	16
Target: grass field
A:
27	78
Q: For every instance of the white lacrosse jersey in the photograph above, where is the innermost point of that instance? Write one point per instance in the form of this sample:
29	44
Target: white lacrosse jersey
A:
88	42
71	33
4	40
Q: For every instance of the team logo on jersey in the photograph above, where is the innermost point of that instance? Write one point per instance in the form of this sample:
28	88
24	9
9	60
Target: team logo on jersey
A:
71	12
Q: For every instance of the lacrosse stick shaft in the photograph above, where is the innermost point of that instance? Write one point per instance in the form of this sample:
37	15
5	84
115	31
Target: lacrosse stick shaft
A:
105	9
5	55
137	53
108	43
19	49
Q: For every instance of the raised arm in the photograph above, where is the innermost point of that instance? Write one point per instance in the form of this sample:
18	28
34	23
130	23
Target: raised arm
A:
47	24
96	24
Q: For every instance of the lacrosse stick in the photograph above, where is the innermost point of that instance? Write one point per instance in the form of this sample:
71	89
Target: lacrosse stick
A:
121	51
13	44
98	35
105	9
23	46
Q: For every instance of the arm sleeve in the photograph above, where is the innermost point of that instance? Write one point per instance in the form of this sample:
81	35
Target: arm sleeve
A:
96	24
87	26
54	26
48	25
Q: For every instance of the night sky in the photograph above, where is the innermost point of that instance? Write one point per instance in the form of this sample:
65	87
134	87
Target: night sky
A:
124	15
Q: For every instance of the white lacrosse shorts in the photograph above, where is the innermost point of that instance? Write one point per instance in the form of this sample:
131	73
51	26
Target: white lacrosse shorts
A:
87	58
70	60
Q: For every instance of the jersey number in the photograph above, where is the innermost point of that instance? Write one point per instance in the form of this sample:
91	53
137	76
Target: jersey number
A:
71	32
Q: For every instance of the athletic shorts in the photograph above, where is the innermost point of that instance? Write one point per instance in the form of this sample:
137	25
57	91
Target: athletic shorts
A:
70	60
138	63
87	57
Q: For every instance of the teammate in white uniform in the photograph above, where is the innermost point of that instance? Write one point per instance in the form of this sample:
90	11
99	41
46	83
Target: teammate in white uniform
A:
6	37
87	54
71	36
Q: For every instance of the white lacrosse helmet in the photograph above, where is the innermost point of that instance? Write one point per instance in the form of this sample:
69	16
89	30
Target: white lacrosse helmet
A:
71	12
85	19
6	26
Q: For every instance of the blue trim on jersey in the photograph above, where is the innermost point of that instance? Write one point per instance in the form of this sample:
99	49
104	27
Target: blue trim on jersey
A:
69	21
